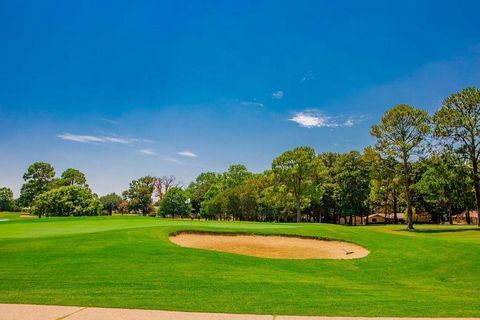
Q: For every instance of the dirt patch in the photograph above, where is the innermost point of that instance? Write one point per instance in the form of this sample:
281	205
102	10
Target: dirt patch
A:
275	247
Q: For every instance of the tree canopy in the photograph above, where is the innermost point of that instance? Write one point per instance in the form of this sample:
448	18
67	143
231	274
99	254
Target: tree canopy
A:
7	202
139	195
294	169
401	134
111	202
67	201
458	123
38	178
175	203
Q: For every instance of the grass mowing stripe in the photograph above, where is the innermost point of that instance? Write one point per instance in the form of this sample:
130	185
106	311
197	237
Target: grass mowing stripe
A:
130	263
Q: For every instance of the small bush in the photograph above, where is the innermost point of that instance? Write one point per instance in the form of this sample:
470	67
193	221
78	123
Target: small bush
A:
67	201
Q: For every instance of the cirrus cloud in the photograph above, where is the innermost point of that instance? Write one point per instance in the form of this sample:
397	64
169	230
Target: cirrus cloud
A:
187	153
79	138
277	95
100	139
252	104
147	152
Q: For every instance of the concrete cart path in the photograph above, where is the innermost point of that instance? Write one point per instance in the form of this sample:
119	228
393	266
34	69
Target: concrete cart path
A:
45	312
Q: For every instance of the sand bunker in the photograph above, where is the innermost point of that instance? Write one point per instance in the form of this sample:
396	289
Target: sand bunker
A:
276	247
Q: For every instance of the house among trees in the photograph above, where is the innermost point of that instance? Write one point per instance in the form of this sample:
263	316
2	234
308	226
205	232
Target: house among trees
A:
382	218
376	218
463	217
401	218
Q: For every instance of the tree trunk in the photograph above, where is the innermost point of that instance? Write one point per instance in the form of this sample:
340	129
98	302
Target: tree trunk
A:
476	185
450	218
395	208
408	194
299	212
467	217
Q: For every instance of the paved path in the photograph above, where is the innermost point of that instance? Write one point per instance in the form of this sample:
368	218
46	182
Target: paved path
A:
40	312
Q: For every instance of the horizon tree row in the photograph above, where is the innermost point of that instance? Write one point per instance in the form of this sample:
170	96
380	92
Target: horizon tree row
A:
419	164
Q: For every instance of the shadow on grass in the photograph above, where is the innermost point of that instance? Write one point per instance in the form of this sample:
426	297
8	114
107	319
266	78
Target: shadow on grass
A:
444	230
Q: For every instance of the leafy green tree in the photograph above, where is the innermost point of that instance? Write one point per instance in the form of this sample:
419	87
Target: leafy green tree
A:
445	182
7	203
384	184
70	177
458	123
328	204
67	201
221	200
235	176
233	205
295	169
74	177
175	202
139	195
111	202
401	134
215	206
352	184
38	178
207	209
199	188
249	194
317	190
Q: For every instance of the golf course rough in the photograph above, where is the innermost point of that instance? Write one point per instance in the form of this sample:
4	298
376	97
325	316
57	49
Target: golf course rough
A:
129	262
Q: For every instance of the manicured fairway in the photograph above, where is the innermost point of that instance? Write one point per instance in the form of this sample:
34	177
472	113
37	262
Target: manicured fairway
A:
129	262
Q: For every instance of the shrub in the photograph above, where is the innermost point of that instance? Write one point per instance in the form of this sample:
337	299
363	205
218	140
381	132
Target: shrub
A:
111	202
7	203
174	203
67	201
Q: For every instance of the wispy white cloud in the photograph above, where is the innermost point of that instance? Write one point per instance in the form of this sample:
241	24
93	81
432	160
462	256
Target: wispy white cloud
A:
349	122
150	152
277	95
80	138
187	153
314	118
147	152
100	139
110	121
170	159
119	140
252	104
308	76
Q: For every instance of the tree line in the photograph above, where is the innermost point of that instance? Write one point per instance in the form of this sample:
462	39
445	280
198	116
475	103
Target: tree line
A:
420	163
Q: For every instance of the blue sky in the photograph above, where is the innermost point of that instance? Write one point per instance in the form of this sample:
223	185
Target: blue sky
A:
122	89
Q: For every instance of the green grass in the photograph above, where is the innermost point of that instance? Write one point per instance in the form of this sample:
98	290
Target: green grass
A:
7	216
129	262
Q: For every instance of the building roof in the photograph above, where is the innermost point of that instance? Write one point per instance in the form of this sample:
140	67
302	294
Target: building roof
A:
377	215
473	214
